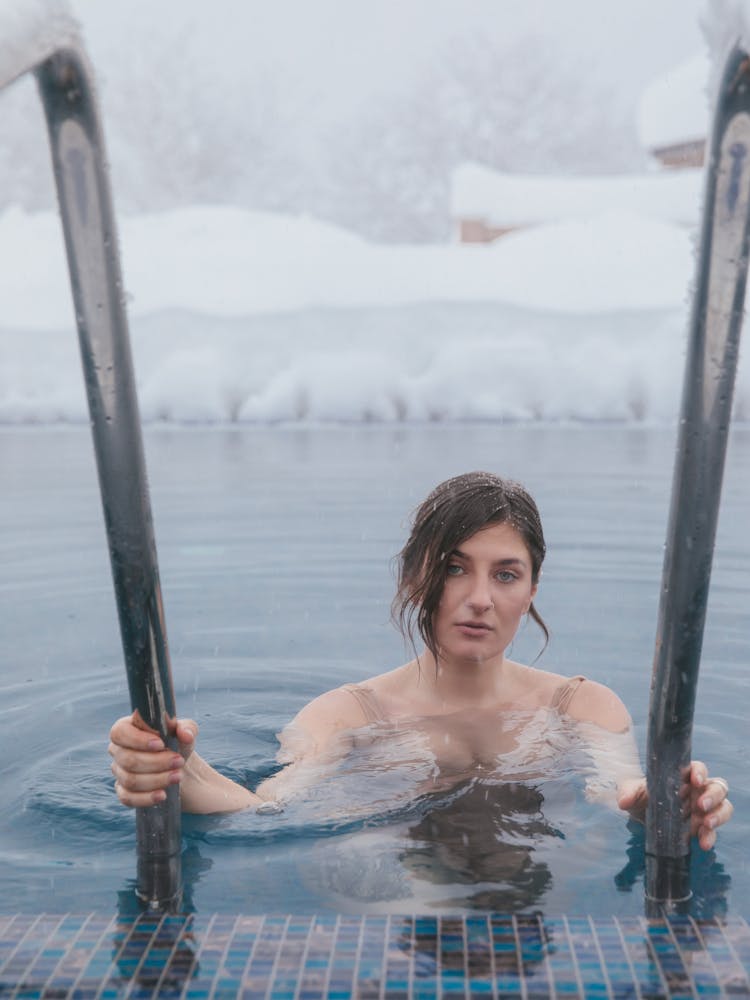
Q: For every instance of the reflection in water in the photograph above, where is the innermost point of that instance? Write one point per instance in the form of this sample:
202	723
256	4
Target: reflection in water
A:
505	949
523	955
484	846
709	881
483	836
378	831
153	952
473	848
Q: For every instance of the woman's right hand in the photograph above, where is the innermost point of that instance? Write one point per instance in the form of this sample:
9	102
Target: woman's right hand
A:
143	767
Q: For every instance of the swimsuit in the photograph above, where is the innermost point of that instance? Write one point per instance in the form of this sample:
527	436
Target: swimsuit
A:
373	712
367	701
563	695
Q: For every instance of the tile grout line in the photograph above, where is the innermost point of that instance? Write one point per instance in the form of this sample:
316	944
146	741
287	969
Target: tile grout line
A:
303	959
602	961
573	955
358	957
199	950
681	953
130	986
251	951
645	926
519	961
736	957
19	984
275	968
706	950
222	962
628	959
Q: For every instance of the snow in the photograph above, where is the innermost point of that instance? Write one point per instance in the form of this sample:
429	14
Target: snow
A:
677	106
229	262
518	200
30	31
725	24
674	108
250	316
246	316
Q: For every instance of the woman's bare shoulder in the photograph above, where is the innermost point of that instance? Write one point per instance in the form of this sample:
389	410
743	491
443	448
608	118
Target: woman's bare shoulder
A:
582	699
543	683
331	711
343	707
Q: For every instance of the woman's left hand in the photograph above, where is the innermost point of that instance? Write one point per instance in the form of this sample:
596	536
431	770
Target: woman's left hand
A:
709	806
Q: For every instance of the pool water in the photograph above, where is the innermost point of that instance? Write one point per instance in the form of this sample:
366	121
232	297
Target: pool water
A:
275	547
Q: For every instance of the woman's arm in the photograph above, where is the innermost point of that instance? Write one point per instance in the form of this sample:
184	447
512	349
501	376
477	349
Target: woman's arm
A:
143	767
317	737
600	707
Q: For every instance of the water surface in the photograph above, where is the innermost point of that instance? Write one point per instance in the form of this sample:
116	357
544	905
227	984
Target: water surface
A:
275	548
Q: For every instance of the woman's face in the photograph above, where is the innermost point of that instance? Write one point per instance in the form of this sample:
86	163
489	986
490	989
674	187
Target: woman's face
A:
488	588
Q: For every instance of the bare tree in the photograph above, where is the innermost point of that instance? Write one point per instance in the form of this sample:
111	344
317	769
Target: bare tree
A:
520	109
181	130
186	133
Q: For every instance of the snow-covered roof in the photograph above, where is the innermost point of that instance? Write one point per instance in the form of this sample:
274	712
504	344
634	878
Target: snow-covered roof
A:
674	108
528	199
30	31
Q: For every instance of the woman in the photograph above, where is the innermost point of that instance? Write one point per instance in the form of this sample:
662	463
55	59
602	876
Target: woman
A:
468	574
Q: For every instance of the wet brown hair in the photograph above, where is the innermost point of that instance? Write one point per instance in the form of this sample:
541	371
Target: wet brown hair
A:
455	510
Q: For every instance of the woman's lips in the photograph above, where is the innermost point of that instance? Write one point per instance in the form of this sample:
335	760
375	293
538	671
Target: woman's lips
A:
473	628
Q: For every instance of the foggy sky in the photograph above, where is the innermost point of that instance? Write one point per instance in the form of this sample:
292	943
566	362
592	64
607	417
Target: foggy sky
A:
340	52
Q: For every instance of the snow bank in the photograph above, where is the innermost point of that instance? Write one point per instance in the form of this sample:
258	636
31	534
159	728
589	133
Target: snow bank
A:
249	316
335	329
430	362
231	262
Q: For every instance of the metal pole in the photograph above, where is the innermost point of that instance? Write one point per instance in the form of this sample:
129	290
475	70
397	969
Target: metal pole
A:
706	412
91	242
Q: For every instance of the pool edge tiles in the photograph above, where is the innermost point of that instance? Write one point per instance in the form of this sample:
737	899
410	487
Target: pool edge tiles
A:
370	957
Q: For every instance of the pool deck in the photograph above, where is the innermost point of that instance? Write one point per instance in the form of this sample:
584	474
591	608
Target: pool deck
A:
283	957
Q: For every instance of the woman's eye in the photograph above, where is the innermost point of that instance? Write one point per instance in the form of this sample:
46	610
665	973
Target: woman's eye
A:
505	576
454	569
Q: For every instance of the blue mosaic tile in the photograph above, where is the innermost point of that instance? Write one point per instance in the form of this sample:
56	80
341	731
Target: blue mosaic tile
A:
73	957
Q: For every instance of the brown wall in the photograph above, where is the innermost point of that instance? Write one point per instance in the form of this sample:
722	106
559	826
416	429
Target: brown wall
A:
681	155
477	231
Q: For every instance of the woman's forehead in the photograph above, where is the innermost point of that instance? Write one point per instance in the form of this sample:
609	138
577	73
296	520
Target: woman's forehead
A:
501	537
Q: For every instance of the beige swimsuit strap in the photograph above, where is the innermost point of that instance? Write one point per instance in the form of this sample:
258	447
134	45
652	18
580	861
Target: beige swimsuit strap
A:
562	697
367	701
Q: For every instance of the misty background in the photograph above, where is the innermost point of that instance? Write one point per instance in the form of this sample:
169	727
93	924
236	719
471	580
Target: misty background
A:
352	112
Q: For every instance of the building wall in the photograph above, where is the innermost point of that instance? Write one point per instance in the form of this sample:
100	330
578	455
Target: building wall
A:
478	231
681	155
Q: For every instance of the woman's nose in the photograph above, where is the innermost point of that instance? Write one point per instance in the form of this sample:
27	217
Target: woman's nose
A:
479	597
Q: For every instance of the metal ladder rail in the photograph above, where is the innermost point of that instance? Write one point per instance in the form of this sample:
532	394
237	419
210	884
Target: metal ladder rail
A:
711	363
74	125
